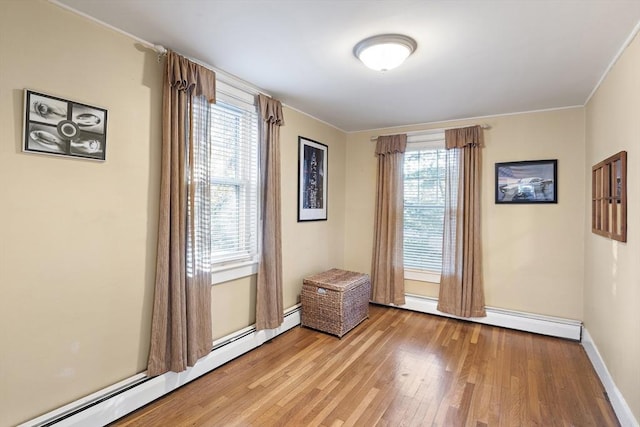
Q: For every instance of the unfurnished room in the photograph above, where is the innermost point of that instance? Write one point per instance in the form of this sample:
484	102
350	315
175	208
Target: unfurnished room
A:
319	213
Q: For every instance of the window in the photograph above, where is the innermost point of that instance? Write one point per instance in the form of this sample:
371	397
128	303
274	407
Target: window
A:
424	181
233	124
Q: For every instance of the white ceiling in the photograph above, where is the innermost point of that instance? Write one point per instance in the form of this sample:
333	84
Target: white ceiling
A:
474	58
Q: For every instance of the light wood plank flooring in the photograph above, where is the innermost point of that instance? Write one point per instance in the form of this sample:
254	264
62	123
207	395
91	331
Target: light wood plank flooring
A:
398	368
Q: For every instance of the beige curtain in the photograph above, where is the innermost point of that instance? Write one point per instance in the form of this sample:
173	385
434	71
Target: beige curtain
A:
461	288
387	267
181	323
269	310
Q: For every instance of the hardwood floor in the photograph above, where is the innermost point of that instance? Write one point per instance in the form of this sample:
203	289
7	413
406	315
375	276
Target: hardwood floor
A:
398	368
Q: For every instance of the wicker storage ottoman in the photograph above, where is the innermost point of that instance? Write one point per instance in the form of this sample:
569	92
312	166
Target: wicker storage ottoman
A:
335	301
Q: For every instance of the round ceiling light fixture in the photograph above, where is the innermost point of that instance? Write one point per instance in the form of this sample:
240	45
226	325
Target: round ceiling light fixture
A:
385	51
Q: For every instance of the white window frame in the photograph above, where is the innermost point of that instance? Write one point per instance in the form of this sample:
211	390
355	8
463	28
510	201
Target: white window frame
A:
417	142
230	92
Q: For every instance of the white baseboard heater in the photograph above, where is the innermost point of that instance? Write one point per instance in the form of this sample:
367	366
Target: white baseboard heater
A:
118	400
112	403
544	325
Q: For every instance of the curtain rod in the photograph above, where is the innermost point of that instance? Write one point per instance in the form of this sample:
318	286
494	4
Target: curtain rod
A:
162	51
159	49
428	131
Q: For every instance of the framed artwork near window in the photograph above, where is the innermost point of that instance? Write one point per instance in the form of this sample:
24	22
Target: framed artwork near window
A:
61	127
312	180
531	181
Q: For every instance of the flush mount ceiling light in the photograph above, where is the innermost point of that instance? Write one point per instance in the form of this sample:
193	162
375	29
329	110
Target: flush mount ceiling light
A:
384	52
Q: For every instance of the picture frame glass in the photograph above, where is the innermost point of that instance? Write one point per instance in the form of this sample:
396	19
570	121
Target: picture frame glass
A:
532	181
57	126
312	180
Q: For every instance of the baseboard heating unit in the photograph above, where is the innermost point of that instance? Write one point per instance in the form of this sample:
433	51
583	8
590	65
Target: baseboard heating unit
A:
114	402
544	325
118	400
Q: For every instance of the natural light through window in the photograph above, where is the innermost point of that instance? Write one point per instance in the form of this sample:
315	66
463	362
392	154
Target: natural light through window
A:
424	181
233	124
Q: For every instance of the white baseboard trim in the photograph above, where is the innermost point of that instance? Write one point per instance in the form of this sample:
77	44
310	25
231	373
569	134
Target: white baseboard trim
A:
622	410
111	403
114	402
545	325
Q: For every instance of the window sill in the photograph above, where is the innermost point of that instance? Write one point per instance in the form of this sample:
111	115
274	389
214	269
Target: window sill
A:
233	272
422	276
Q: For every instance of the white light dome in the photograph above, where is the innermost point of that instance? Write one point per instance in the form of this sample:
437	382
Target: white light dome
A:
384	52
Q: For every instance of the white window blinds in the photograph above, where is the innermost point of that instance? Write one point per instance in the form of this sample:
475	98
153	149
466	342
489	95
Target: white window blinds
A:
233	124
424	181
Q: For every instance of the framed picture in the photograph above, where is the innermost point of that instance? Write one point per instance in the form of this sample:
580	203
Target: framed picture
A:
61	127
312	180
532	181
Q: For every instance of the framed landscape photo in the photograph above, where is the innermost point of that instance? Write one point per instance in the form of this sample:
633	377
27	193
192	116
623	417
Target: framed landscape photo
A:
312	180
531	181
61	127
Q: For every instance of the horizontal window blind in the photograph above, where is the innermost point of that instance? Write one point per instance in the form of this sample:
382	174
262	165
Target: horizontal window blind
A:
234	180
424	181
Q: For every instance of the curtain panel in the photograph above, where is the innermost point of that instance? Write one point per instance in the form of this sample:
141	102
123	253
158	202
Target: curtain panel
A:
461	285
387	266
181	323
269	304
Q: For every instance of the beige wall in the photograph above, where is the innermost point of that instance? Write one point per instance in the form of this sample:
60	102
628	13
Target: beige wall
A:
233	306
77	253
307	247
77	237
312	246
527	266
612	270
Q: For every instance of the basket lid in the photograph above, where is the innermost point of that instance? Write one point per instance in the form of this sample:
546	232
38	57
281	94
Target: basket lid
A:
337	279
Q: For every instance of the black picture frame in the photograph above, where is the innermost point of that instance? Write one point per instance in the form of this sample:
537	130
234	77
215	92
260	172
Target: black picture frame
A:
60	127
527	182
313	159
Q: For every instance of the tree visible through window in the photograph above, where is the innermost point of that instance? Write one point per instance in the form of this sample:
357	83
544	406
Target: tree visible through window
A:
424	182
234	179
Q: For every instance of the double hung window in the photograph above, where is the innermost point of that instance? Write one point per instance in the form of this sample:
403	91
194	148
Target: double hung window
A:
424	189
233	141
